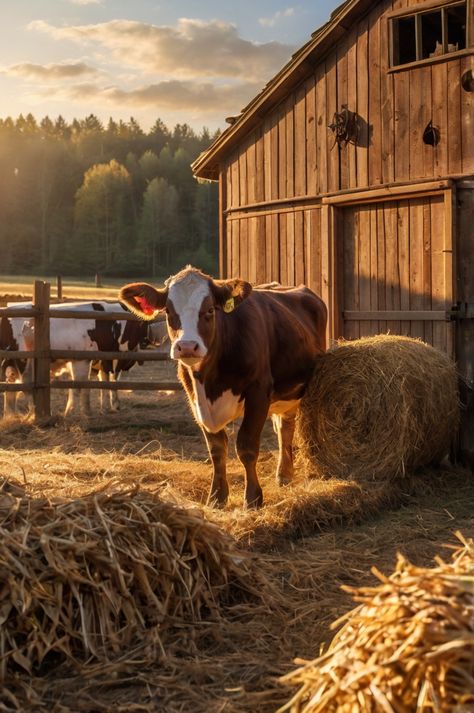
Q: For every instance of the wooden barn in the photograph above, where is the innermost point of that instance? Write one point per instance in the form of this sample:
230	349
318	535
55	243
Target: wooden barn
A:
353	172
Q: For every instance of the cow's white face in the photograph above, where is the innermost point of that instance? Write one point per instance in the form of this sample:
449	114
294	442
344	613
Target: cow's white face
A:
191	300
189	303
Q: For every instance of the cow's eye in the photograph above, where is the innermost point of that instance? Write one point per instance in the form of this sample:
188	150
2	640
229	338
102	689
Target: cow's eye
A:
210	310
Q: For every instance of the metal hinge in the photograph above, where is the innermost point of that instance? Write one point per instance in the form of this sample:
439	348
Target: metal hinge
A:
461	310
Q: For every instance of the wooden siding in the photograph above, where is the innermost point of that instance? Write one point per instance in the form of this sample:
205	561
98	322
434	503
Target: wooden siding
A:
369	226
292	153
396	258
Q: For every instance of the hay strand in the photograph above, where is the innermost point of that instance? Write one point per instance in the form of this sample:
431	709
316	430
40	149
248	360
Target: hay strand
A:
378	408
408	646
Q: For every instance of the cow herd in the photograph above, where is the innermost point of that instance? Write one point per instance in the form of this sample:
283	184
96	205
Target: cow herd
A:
17	334
243	352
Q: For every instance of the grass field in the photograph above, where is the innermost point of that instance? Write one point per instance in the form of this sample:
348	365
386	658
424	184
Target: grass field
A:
16	287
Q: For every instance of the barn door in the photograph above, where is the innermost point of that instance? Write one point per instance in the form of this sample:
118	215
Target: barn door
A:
396	263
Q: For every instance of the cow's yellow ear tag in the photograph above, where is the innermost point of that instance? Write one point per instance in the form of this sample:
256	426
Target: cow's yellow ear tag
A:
229	305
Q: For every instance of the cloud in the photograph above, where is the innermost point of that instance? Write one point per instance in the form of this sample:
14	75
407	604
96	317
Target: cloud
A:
279	15
193	48
49	72
86	2
198	97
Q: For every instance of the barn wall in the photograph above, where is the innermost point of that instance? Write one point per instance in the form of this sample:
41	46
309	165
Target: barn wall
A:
277	219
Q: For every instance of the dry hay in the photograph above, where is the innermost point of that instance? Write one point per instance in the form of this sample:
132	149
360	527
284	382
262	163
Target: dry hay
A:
378	408
91	578
409	645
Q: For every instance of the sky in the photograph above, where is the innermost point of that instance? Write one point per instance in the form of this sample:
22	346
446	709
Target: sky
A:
183	61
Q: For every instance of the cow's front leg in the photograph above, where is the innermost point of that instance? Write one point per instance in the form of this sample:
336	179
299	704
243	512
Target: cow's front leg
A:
217	445
284	426
80	372
248	444
113	395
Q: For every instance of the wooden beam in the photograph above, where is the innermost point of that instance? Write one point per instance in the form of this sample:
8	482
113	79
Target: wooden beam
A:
18	312
42	394
106	356
396	314
74	354
409	190
118	385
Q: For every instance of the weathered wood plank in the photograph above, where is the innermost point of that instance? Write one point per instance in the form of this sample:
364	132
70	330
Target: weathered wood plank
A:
438	279
290	147
311	126
300	140
454	117
467	118
333	183
322	133
392	274
350	262
260	260
439	76
352	69
404	260
381	284
364	265
41	393
375	117
299	248
362	149
290	248
402	125
387	146
416	265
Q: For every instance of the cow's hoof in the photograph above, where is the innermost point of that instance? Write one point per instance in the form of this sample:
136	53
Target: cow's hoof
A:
214	501
283	479
253	502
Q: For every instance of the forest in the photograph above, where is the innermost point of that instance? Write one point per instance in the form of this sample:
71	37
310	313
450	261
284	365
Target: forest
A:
82	198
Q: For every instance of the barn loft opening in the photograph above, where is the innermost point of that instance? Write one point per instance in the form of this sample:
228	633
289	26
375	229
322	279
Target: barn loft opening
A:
425	35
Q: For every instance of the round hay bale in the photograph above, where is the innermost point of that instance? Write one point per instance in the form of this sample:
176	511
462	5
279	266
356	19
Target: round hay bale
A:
378	408
92	578
408	646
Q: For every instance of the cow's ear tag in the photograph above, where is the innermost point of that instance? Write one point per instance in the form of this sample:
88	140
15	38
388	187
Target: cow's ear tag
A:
229	305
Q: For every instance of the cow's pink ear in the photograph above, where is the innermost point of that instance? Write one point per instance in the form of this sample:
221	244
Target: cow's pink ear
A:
143	300
233	291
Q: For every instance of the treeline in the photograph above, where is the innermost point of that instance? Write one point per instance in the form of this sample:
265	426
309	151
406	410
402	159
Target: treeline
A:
82	198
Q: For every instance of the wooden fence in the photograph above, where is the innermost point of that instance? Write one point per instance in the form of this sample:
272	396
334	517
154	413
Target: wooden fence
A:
42	354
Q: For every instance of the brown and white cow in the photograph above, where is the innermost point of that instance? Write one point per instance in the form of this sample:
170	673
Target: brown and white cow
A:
241	352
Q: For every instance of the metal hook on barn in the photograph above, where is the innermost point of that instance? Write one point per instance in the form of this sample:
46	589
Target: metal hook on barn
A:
345	127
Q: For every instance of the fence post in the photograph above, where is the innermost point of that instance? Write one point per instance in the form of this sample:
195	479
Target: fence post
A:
42	391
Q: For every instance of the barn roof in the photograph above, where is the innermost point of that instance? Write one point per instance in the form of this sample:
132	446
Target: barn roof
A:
301	64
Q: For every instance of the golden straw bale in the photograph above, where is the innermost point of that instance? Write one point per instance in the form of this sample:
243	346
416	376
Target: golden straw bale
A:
95	577
409	646
378	408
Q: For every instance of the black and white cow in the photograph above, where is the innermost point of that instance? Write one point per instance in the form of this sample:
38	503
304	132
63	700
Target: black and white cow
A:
81	335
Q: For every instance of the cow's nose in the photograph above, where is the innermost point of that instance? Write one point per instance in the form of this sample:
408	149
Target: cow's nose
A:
187	349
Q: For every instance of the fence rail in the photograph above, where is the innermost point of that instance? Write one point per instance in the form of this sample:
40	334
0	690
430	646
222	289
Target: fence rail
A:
42	354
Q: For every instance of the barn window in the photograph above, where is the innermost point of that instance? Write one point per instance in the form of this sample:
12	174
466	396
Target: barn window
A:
426	34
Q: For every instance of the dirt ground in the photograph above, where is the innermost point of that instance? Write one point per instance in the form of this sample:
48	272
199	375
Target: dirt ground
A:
309	539
307	548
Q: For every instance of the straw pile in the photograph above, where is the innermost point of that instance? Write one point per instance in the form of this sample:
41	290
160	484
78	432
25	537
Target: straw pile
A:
409	646
91	578
378	408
